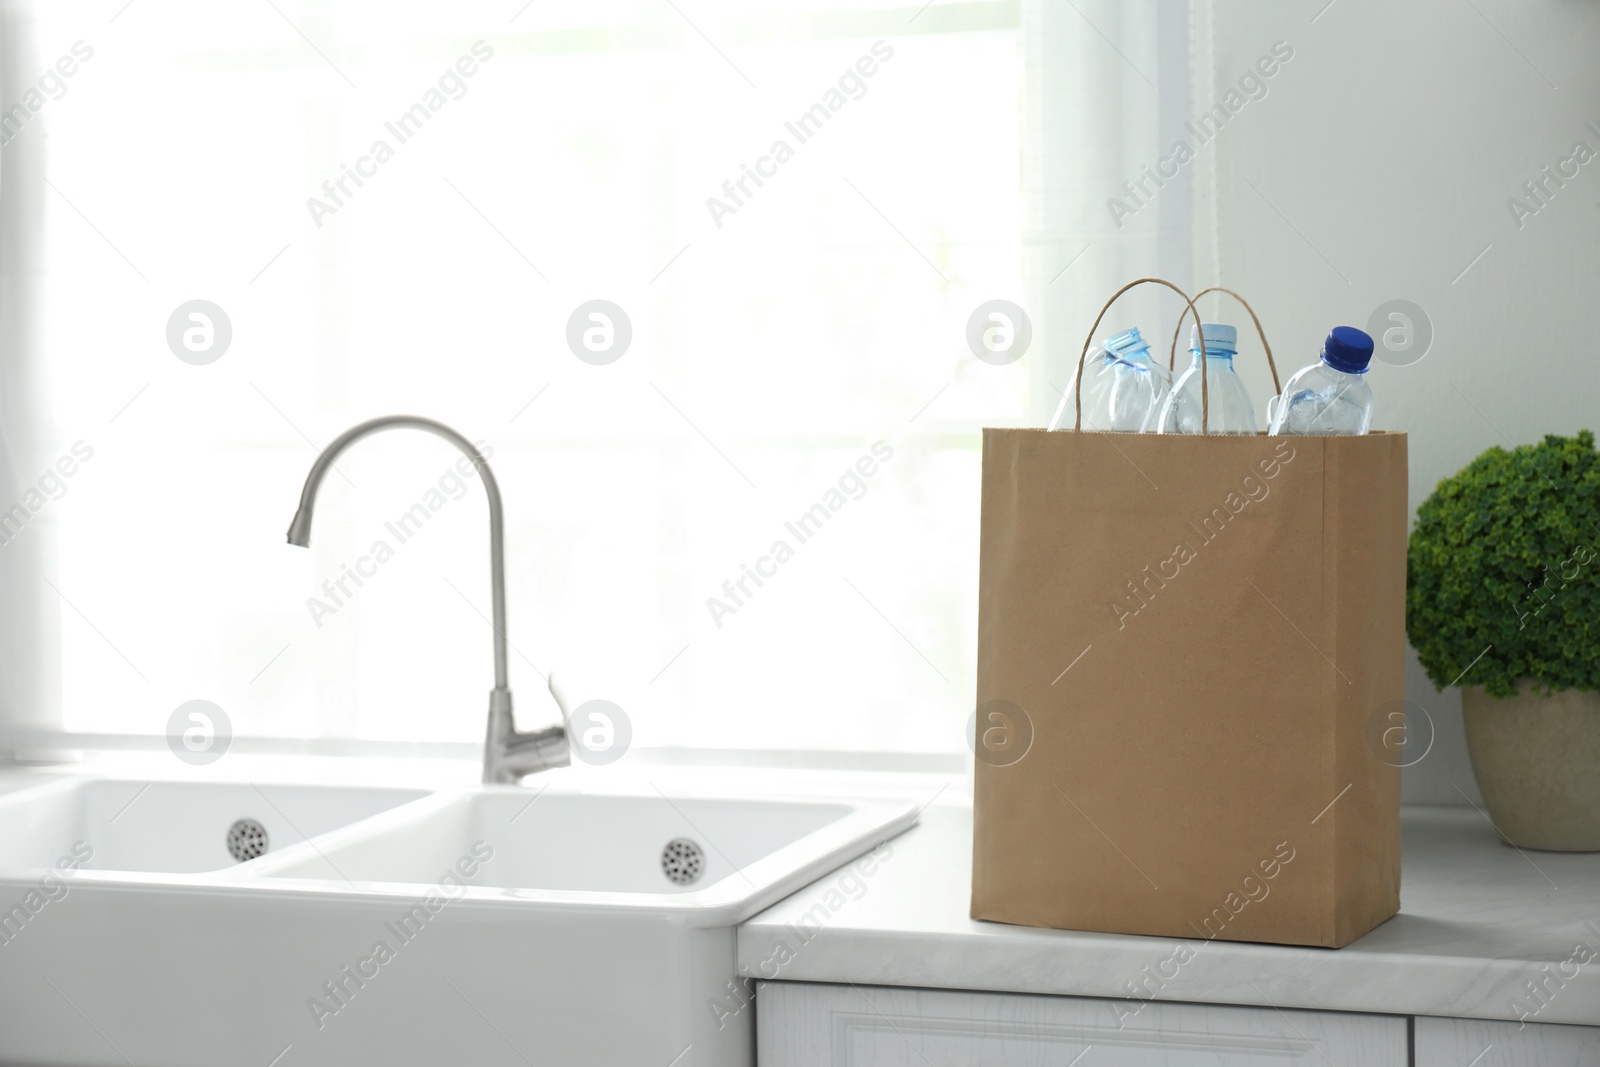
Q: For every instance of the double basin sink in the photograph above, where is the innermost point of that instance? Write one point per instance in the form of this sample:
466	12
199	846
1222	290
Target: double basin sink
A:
195	922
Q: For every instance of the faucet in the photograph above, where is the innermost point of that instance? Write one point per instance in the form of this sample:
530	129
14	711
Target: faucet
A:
507	754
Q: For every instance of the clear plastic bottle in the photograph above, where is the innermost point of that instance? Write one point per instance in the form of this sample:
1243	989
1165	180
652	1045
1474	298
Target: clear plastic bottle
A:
1331	396
1139	385
1097	379
1230	409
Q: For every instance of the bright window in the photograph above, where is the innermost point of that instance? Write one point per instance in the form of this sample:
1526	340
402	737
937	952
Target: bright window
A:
756	529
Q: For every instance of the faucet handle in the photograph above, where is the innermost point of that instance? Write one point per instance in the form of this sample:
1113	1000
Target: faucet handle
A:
509	754
563	704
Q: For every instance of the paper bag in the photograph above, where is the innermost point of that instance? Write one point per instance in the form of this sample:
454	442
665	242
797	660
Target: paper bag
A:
1189	650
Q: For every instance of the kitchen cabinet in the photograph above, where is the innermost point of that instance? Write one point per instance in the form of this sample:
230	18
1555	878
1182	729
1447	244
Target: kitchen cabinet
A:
806	1024
1487	1043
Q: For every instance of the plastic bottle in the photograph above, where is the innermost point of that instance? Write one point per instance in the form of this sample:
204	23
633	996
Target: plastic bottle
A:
1230	409
1139	385
1097	380
1331	396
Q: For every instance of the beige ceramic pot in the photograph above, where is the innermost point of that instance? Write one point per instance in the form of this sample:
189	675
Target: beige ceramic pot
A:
1537	761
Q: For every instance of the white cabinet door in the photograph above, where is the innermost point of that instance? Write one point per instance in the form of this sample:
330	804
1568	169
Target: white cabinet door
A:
1459	1042
804	1024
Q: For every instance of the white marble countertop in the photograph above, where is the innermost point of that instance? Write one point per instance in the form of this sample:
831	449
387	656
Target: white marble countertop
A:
1477	921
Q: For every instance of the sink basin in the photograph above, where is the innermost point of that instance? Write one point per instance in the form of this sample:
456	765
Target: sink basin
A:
172	827
678	853
547	924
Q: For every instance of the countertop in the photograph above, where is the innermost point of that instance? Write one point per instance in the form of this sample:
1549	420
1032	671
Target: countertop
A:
1478	919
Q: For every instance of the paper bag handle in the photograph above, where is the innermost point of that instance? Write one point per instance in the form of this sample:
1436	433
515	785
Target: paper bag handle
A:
1205	392
1172	354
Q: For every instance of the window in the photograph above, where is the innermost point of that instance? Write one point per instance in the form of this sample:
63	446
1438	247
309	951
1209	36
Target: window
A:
755	528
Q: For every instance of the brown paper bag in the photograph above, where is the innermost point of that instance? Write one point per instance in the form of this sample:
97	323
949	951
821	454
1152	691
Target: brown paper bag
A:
1184	646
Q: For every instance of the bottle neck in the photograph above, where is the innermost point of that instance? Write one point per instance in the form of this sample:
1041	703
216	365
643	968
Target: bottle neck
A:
1342	370
1213	356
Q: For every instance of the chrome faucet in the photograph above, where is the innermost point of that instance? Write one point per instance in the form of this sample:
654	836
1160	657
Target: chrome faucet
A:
507	754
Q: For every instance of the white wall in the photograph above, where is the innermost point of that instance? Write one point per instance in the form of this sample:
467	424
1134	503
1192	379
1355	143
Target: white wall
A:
1379	167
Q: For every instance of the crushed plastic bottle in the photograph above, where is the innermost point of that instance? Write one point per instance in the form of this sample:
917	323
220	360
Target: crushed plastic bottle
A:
1139	385
1097	380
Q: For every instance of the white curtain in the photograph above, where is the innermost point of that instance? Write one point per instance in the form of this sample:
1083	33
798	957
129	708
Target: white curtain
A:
29	609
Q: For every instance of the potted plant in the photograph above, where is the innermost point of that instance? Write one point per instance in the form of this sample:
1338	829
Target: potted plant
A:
1503	596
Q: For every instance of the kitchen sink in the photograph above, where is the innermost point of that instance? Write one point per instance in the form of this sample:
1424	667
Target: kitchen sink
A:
178	827
555	924
643	851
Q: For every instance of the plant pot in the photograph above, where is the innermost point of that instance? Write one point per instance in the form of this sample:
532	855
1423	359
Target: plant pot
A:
1537	761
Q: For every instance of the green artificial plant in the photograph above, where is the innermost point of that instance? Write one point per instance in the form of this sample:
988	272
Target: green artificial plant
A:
1501	574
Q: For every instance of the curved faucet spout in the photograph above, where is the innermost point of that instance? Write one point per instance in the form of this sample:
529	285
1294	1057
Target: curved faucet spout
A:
508	755
300	527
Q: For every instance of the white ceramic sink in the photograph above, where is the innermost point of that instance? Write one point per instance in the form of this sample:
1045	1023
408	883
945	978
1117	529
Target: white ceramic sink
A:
172	826
491	925
577	848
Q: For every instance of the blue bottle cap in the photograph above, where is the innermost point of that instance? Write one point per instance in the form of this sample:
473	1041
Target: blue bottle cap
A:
1347	349
1126	343
1221	339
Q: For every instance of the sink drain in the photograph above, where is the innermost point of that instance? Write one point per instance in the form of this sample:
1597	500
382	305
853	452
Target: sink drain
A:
682	861
247	839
